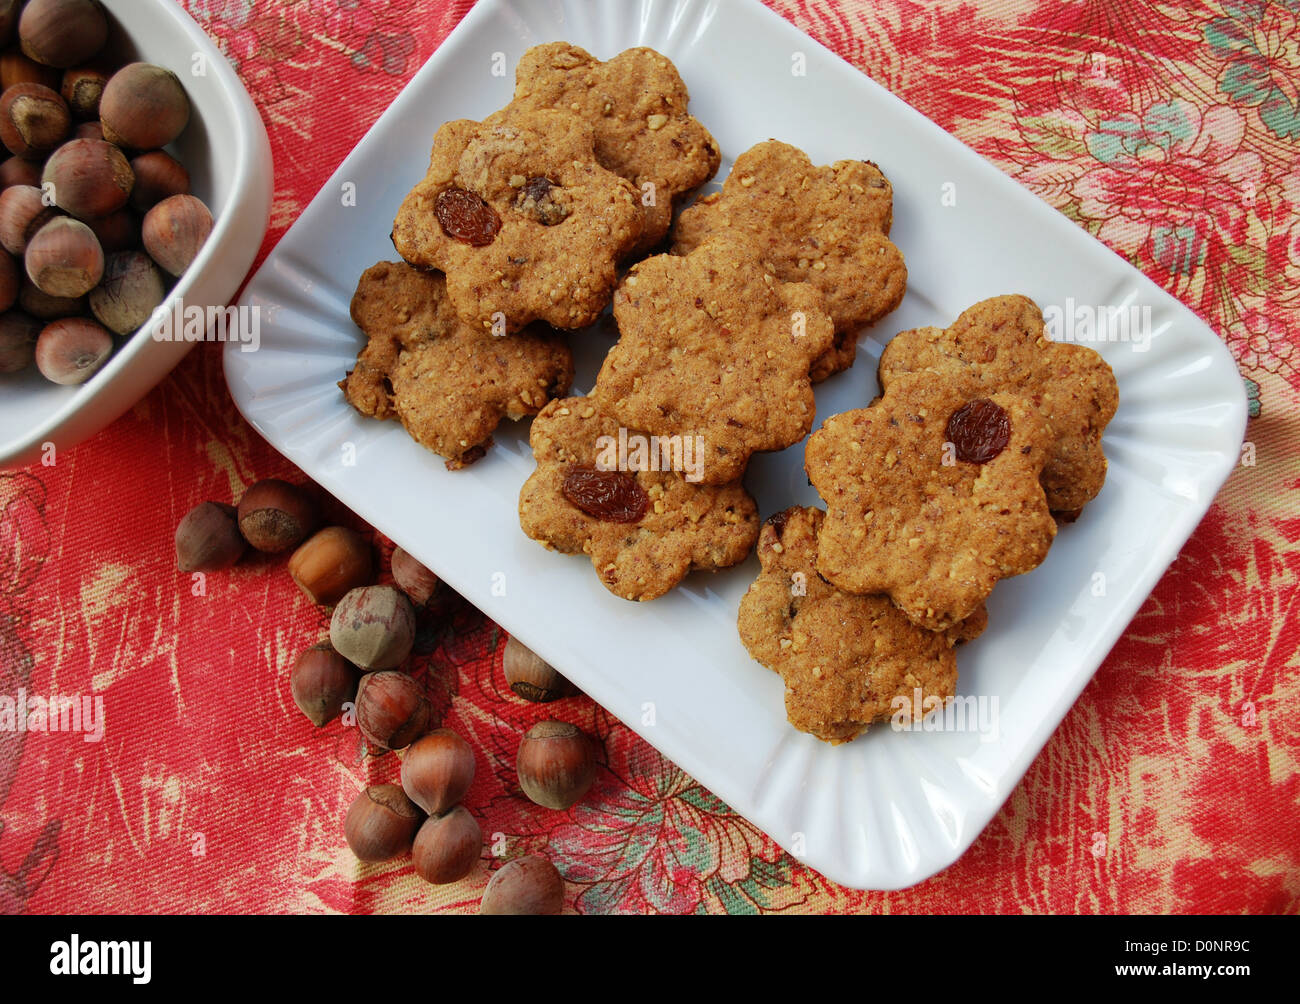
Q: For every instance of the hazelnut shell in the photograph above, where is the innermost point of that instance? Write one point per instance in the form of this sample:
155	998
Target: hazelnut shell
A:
18	334
34	119
437	771
208	539
275	515
413	578
527	886
392	711
381	823
331	563
72	350
144	107
529	676
321	681
447	847
88	178
62	33
64	258
374	626
556	764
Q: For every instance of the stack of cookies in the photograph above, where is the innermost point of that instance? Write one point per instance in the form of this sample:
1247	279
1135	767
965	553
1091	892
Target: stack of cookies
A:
529	223
985	436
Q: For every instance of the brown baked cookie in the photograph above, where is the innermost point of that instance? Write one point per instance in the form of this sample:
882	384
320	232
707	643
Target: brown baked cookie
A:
636	103
522	219
932	496
828	226
1001	344
844	658
448	383
713	345
644	525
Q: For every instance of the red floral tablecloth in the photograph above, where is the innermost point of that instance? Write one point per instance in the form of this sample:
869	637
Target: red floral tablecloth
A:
1171	130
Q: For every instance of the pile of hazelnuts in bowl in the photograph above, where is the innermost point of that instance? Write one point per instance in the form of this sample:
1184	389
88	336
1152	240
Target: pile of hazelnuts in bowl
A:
359	671
96	219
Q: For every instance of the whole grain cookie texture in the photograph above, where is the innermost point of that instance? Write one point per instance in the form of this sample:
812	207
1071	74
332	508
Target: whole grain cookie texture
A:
1001	344
846	660
715	348
624	499
449	384
828	226
636	103
932	496
522	219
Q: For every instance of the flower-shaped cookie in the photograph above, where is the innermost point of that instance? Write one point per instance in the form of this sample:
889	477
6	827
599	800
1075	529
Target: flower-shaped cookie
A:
1000	344
932	496
828	226
448	383
713	345
522	219
844	658
636	102
625	499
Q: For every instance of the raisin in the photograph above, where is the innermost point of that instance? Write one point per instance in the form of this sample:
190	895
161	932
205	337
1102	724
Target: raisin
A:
980	430
777	522
537	199
467	218
612	496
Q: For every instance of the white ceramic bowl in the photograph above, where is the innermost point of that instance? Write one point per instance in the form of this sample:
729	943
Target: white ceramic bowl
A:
229	158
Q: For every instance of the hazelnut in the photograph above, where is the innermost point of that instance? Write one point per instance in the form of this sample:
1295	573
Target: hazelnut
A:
381	823
82	88
119	231
11	281
527	886
88	178
64	258
72	350
208	539
129	293
275	515
392	711
158	176
49	308
321	681
175	230
437	771
16	171
374	626
330	563
33	120
413	578
556	764
9	19
532	678
144	107
88	130
23	211
62	33
447	846
18	332
16	68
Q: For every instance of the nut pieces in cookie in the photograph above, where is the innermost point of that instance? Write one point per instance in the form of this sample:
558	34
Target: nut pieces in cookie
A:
828	226
908	516
713	347
845	659
1000	344
448	383
522	219
636	103
645	525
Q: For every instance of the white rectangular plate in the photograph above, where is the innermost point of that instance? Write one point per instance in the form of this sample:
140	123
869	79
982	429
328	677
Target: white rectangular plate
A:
887	810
